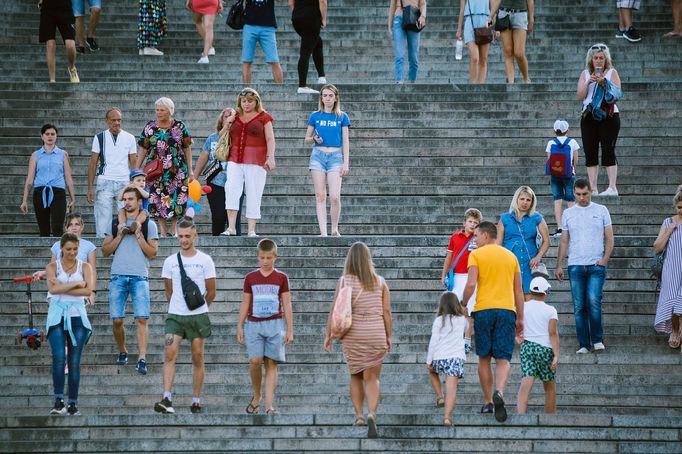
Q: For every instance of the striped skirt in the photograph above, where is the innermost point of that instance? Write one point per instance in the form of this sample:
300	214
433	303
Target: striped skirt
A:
364	345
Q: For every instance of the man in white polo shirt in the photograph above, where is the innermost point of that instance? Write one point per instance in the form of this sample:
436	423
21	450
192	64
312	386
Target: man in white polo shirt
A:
113	155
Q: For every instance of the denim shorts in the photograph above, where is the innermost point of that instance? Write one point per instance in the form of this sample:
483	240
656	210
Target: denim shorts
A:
78	6
189	326
562	188
518	20
265	339
326	161
495	330
120	287
253	34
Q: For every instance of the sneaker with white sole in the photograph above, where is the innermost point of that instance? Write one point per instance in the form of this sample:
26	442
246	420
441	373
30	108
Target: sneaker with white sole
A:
203	60
306	90
599	347
122	358
150	51
72	410
229	232
92	44
211	51
165	406
610	192
141	366
582	351
59	407
322	80
620	33
632	35
73	75
253	234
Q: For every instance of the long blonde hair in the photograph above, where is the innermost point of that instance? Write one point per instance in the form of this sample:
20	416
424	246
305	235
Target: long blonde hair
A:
336	108
592	51
359	263
514	206
249	93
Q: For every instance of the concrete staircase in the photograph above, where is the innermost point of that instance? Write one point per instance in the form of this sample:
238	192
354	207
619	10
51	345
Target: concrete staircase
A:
420	155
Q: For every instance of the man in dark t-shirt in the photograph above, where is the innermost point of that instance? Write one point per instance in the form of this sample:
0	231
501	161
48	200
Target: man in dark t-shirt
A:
57	14
259	27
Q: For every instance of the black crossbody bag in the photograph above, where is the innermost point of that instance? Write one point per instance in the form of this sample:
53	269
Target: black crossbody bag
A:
411	17
190	290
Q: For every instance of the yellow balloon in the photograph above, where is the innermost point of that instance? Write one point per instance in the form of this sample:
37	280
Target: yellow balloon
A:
194	191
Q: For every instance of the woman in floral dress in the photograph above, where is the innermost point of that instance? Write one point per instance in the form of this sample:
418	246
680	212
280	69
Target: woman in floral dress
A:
152	26
168	139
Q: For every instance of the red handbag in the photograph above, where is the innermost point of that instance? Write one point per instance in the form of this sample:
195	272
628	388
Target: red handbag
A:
153	169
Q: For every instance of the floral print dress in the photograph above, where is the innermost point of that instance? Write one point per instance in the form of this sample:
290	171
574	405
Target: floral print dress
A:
167	195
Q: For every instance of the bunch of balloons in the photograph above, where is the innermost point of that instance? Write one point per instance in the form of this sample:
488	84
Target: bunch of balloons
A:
195	190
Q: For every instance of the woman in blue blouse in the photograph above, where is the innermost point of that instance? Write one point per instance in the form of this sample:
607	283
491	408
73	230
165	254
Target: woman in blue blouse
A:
49	173
328	133
518	230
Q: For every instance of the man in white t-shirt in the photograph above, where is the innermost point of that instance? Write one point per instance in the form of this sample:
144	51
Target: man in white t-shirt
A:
113	155
540	348
588	240
183	323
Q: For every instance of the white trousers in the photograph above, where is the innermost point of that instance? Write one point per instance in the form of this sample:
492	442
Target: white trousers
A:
248	178
460	283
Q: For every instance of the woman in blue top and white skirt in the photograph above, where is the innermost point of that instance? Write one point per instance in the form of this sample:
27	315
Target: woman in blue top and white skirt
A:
518	230
69	283
328	133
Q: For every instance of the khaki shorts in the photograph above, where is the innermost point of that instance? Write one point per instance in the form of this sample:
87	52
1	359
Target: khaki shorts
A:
189	326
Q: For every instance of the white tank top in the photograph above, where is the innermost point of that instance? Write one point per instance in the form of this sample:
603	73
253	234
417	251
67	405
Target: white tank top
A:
65	278
593	86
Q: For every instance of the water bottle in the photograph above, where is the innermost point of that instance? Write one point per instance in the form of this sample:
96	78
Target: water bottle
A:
458	49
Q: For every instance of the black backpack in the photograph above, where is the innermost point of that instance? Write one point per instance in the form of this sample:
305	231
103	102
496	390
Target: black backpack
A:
190	290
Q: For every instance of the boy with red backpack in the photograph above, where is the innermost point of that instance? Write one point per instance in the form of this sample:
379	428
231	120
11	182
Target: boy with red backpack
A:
562	158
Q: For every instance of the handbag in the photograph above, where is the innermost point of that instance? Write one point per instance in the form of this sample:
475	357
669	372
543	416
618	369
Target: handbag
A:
450	277
502	23
411	17
153	169
482	35
540	269
235	17
190	290
342	313
222	150
211	170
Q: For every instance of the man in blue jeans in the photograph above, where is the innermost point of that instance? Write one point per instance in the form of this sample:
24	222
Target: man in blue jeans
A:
588	238
129	275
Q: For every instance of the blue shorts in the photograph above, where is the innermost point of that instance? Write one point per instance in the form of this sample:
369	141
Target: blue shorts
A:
326	161
562	188
253	34
495	330
517	19
120	287
78	6
265	339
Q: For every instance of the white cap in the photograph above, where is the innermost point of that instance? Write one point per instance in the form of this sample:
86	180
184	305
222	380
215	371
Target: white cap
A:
561	125
539	285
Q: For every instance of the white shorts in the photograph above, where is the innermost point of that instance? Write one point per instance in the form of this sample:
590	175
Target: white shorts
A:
248	178
628	4
460	283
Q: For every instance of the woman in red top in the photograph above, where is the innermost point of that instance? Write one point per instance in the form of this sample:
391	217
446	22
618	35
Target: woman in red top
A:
252	155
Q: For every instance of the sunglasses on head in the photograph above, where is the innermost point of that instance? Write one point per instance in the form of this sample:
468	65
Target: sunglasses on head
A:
598	47
247	93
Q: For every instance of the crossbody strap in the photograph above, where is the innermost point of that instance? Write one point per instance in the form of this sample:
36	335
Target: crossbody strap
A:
102	163
466	246
183	275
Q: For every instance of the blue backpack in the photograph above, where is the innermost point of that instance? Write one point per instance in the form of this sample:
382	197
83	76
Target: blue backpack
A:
559	163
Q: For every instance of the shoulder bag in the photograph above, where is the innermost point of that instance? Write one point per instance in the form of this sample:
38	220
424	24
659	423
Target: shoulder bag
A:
656	266
540	269
482	35
154	169
211	170
411	17
450	277
342	313
235	17
502	23
222	150
190	290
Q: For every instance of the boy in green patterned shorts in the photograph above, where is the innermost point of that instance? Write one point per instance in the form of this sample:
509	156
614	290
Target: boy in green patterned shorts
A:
540	348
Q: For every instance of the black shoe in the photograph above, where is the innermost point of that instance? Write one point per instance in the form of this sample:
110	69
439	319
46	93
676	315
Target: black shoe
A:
122	358
488	408
59	407
80	49
141	366
73	410
92	44
632	35
558	232
500	411
195	408
165	406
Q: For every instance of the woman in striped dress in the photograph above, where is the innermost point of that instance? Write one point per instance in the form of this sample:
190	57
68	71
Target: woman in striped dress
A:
669	307
369	337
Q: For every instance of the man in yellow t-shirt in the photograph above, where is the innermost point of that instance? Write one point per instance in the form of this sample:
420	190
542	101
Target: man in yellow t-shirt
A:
498	313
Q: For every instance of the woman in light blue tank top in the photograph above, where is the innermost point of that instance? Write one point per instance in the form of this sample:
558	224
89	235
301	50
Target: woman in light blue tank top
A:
49	173
474	14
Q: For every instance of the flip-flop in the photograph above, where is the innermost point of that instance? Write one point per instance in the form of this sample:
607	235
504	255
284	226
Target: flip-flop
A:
372	426
674	340
359	421
500	411
440	402
447	422
672	35
252	409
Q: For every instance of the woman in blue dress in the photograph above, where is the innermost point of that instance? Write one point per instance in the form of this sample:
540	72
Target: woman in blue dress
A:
518	229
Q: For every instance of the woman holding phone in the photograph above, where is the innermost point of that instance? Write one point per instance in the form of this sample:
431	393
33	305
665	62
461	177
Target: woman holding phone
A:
598	69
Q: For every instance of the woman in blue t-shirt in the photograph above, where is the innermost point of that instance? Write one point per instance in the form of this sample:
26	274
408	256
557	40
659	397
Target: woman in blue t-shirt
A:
328	133
518	231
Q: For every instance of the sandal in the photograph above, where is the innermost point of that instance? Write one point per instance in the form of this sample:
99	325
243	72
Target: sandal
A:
488	408
372	426
271	411
672	34
447	422
359	421
440	402
674	339
252	409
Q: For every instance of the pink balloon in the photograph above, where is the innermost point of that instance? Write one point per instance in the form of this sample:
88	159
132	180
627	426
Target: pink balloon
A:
189	212
207	189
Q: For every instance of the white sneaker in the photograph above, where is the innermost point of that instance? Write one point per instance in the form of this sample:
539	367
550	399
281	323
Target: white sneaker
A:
610	192
203	60
73	75
150	51
211	51
582	351
229	232
253	234
599	346
595	192
306	90
322	80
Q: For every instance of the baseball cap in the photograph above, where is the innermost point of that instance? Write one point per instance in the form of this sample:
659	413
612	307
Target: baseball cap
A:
136	173
539	285
561	125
